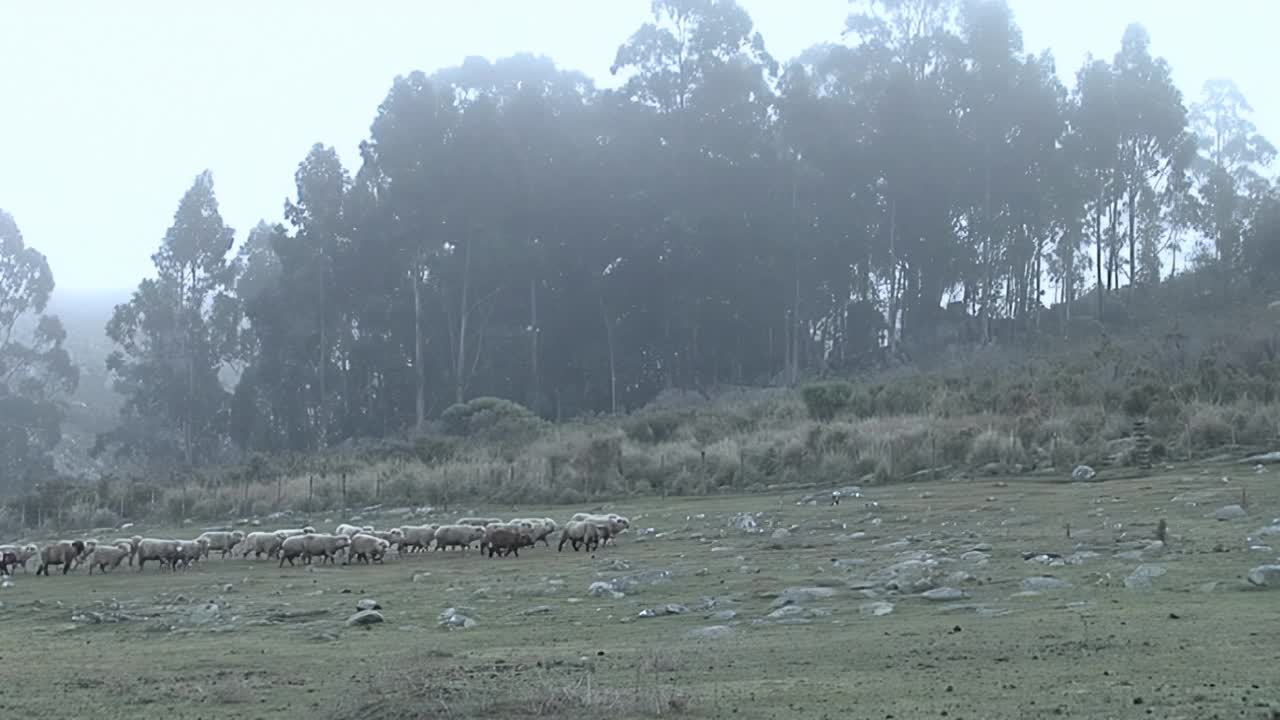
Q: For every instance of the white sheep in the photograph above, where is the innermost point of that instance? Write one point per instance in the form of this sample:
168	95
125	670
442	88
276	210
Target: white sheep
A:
221	540
106	555
461	536
580	533
367	548
261	543
163	551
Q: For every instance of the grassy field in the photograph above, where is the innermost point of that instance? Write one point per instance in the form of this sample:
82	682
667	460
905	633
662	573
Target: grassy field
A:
246	639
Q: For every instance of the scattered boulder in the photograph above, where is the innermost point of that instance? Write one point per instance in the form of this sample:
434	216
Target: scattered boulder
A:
876	608
744	521
452	618
1083	473
723	615
365	617
797	595
675	609
604	589
792	612
1267	576
976	557
1041	583
1229	512
780	537
711	632
368	604
1268	530
943	594
1080	557
1141	577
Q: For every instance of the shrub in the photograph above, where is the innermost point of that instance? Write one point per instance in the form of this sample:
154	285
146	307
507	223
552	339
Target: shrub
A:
995	446
491	419
826	400
1207	427
653	427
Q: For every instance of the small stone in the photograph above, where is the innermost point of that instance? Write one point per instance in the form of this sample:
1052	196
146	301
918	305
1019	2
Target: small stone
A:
1267	576
723	615
1141	577
604	589
943	594
796	595
1080	557
365	617
368	604
877	609
711	632
975	556
1229	512
539	610
1083	473
676	609
1042	583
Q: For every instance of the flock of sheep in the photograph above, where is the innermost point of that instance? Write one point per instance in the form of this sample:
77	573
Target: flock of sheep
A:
348	542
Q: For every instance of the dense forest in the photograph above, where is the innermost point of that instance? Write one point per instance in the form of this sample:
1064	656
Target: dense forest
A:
722	218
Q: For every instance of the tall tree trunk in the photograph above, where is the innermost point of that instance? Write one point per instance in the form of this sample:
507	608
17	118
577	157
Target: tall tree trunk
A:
188	430
613	370
795	305
535	391
460	367
420	400
324	357
1133	274
1097	231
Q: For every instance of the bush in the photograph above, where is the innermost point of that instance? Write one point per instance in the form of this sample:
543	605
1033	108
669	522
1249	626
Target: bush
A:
491	419
826	400
995	446
654	427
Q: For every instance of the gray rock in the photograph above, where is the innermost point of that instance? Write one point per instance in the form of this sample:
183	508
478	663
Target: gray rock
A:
1154	549
675	609
796	611
1229	512
365	617
723	615
1268	530
943	594
1129	555
1267	576
797	595
453	618
981	547
368	604
744	521
1083	473
1042	583
604	589
539	610
1141	577
711	632
1080	557
876	608
780	535
975	556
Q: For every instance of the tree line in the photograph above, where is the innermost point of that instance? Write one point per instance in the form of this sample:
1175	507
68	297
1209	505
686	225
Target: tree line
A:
720	218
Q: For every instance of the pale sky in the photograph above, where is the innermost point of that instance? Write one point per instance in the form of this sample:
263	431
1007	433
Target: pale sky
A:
109	110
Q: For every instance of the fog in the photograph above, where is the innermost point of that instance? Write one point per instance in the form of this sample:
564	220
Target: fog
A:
112	110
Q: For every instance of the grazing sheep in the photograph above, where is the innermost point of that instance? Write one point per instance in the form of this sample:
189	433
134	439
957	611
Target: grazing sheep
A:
132	546
60	553
324	546
8	560
367	547
457	536
222	541
106	555
293	547
539	528
261	543
21	554
580	533
610	525
478	522
348	530
189	551
163	551
505	540
416	537
393	536
293	532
